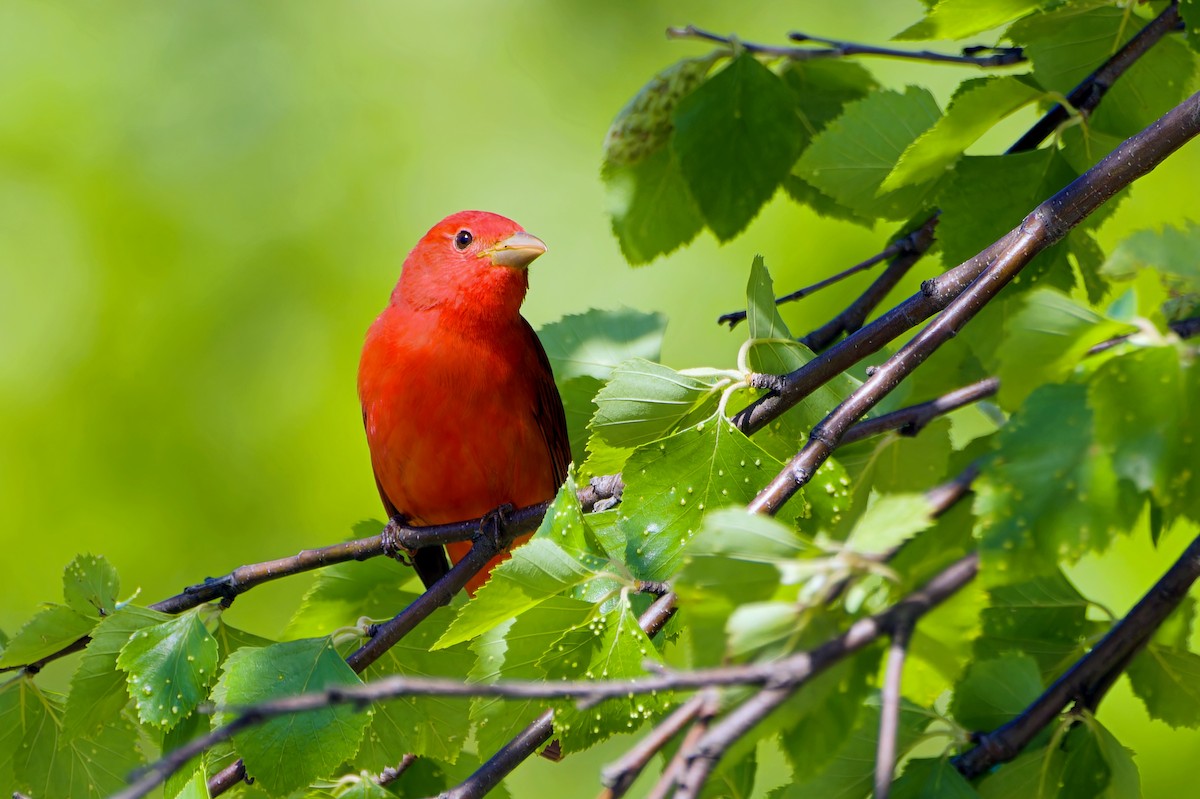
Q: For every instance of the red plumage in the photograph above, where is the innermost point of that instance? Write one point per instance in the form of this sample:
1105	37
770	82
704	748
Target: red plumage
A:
458	399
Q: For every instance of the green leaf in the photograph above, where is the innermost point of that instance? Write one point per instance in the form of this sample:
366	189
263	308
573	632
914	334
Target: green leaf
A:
645	123
941	646
977	106
735	138
1046	618
1040	505
190	728
994	691
958	19
984	197
932	779
288	752
428	726
98	686
849	772
670	485
1094	764
169	668
1066	44
889	521
196	787
1045	339
1190	11
91	586
51	629
853	155
651	207
1165	675
1140	405
1171	252
48	764
645	401
594	343
563	554
343	593
610	646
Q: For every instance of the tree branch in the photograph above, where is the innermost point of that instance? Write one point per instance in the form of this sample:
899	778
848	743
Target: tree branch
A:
832	48
889	717
912	419
619	776
1044	226
1086	681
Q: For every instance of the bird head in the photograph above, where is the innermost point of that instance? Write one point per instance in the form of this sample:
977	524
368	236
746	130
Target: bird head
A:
472	261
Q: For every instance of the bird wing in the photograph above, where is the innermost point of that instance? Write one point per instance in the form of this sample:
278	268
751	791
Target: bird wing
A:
430	563
548	412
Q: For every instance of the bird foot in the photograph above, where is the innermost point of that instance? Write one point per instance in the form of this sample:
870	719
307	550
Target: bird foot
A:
392	545
494	526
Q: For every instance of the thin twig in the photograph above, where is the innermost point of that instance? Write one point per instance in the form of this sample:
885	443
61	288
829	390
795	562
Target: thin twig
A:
678	763
1184	328
889	716
831	48
897	247
911	420
393	773
795	670
1044	226
937	294
619	776
1085	682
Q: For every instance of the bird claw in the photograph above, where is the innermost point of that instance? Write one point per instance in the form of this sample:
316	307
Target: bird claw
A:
494	526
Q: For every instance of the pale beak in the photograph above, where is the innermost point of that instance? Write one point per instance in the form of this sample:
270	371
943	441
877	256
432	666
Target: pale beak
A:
517	251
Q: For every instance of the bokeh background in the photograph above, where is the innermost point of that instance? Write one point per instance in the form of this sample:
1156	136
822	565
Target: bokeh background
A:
203	206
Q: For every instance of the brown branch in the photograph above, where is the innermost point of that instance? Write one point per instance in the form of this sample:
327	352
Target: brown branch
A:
1044	226
393	773
832	48
795	670
889	715
619	776
911	420
678	763
917	242
1184	328
1086	681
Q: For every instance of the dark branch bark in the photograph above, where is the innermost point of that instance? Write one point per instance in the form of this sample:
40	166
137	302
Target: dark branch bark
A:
1044	226
912	420
1086	682
889	716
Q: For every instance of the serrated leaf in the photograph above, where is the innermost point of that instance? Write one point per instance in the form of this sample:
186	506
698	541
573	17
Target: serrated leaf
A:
651	207
986	196
644	401
169	668
994	691
428	726
958	19
593	343
889	521
1140	405
196	787
191	727
289	752
932	779
562	555
941	645
1092	763
977	106
51	629
848	773
610	646
1167	680
850	159
735	139
46	763
645	123
344	592
1067	43
1171	252
1045	618
98	686
1040	505
670	485
91	586
1045	339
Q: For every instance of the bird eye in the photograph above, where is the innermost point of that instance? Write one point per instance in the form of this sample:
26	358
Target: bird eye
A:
463	239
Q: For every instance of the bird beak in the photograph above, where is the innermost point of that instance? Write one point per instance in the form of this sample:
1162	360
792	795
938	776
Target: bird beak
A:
517	251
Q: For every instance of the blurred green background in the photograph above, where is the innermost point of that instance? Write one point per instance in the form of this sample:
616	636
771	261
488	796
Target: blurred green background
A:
203	206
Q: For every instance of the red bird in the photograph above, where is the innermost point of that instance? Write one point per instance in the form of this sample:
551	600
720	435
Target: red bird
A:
458	400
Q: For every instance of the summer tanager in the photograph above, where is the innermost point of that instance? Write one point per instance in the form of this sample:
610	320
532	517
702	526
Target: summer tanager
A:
458	400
